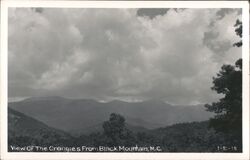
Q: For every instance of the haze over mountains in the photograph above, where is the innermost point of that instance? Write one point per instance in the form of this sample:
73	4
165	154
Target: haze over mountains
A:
83	116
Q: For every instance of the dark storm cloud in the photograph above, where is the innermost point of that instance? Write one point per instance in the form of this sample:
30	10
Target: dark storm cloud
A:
114	53
219	47
151	12
225	11
38	10
217	38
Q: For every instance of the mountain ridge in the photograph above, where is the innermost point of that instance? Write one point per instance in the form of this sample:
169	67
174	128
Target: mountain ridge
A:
80	114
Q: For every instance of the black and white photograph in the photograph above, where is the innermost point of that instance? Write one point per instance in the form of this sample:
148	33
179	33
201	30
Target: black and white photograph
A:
126	80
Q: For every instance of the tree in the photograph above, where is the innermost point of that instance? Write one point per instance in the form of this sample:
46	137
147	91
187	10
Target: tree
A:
228	118
114	127
238	31
116	132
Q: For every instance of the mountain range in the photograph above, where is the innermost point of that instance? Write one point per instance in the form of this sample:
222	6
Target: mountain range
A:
84	116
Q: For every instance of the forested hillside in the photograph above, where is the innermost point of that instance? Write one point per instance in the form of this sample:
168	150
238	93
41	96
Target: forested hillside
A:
183	137
24	130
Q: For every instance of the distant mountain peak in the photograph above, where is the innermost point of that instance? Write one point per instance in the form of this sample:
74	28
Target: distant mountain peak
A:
155	101
158	101
44	98
117	101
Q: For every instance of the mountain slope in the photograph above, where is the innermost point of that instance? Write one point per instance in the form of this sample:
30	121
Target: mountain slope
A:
24	130
78	115
187	137
184	137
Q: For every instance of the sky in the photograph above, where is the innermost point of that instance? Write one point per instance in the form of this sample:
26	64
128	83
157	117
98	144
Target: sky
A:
124	54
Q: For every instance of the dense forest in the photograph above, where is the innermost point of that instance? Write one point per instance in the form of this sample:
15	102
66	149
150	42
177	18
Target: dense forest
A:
184	137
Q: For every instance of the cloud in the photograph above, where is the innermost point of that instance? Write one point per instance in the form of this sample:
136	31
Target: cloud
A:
151	12
109	54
